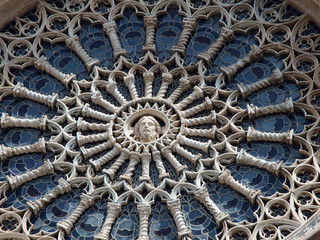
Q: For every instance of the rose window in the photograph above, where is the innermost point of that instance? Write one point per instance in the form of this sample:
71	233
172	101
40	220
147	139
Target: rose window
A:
159	120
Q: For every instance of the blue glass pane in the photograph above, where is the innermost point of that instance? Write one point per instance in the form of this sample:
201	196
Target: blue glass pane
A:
131	34
14	137
154	175
23	108
55	212
206	33
123	89
97	45
90	222
127	225
273	151
257	71
232	52
31	191
229	200
278	123
139	83
22	164
257	179
273	95
157	81
161	224
65	60
168	32
40	82
198	219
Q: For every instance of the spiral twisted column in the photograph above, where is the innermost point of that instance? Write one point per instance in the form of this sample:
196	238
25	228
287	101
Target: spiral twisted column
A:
175	208
211	118
89	152
166	81
20	91
124	155
156	156
275	78
285	107
113	210
10	121
255	135
6	152
112	88
189	25
230	71
66	225
145	160
202	195
226	179
150	22
184	84
82	140
144	212
17	181
148	80
111	29
62	188
209	133
43	65
245	158
129	81
74	44
196	94
98	99
83	125
97	164
226	34
206	105
166	152
87	111
184	153
134	160
203	146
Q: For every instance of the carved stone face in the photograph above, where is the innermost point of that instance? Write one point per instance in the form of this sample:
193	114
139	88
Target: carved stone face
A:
147	129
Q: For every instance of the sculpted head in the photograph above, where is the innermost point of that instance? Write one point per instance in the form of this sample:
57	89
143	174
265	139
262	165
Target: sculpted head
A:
147	129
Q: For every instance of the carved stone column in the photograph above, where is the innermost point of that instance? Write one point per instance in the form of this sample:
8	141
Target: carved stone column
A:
87	111
206	105
285	107
203	146
66	225
145	160
10	121
144	212
62	188
130	82
74	44
89	152
211	118
175	208
113	210
6	152
184	84
245	158
226	179
98	99
43	65
202	195
134	160
117	164
189	25
255	135
196	94
17	181
111	29
226	34
82	140
166	81
20	91
112	88
184	153
148	80
275	78
159	164
230	71
209	133
97	164
150	22
83	125
166	152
